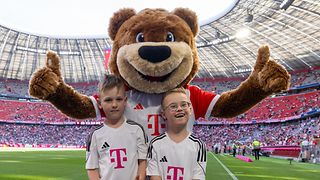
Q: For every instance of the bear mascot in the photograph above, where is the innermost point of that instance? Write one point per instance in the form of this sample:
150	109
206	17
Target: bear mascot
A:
154	51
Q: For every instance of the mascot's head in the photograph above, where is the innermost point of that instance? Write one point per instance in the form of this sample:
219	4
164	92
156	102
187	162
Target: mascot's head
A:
154	50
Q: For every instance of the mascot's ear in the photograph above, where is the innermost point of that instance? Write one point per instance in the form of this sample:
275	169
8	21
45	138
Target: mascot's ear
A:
118	19
189	17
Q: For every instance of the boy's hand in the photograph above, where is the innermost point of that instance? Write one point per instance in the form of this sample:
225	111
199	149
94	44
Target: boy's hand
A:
139	177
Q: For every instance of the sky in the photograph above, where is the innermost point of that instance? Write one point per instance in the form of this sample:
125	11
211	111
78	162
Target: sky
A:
90	18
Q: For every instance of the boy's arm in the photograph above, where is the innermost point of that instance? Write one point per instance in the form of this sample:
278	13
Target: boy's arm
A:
152	164
142	154
142	166
93	174
199	172
155	178
92	158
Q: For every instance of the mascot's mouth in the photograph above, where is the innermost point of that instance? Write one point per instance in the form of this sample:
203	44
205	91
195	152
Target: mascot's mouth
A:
155	78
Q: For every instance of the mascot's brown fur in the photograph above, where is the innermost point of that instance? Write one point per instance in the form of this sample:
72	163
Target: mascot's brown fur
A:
154	51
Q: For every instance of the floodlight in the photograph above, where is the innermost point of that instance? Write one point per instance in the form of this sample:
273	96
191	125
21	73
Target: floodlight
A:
243	33
217	34
285	4
248	18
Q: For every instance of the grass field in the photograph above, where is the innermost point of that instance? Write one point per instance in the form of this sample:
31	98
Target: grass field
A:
66	165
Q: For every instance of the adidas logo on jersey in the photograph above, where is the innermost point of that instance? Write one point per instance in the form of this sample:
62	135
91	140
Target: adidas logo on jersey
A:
105	145
163	159
138	107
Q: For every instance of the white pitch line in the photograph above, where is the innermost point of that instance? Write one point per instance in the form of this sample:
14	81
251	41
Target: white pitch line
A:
225	168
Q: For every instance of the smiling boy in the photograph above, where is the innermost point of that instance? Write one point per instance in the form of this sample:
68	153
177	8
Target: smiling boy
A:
176	154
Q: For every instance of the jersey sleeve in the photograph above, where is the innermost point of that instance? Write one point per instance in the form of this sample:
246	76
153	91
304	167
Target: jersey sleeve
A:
92	161
202	101
99	111
142	144
199	172
152	162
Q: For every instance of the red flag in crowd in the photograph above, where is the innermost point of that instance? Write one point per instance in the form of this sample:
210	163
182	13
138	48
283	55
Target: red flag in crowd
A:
107	53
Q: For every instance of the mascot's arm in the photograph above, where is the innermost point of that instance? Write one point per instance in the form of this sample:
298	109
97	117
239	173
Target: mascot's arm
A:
47	84
267	77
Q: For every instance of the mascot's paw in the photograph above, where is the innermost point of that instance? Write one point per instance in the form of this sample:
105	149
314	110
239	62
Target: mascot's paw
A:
272	76
46	80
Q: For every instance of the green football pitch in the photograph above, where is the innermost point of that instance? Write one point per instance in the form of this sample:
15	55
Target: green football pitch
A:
66	165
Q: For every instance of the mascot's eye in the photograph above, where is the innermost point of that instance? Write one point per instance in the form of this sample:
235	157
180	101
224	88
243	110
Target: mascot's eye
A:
170	37
140	37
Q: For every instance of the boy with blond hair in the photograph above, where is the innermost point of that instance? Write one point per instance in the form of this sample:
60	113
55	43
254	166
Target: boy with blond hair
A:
118	148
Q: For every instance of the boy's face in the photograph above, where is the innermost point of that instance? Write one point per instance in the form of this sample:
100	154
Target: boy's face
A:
113	102
177	109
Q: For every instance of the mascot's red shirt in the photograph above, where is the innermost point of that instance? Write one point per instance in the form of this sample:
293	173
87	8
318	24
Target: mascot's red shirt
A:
145	108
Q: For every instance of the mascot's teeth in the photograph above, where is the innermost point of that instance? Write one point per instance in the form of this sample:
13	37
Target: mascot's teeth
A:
155	78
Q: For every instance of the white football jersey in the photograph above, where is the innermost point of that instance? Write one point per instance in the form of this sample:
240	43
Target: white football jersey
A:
184	160
115	151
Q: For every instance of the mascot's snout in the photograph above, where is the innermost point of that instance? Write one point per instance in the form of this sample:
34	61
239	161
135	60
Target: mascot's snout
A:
154	54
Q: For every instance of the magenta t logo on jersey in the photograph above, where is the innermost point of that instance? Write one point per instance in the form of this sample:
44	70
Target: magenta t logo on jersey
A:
120	155
173	173
153	123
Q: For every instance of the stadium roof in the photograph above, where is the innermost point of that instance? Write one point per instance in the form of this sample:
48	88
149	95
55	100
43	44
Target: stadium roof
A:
227	46
90	19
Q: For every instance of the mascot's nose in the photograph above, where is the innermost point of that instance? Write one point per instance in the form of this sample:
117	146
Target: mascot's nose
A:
154	54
